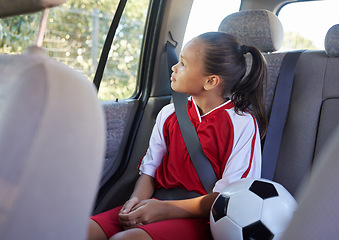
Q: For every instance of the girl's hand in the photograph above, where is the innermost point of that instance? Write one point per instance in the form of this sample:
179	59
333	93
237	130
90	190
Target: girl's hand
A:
152	210
147	211
125	210
144	189
129	205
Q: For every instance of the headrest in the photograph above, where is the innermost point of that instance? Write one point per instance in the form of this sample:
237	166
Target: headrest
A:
258	28
332	41
17	7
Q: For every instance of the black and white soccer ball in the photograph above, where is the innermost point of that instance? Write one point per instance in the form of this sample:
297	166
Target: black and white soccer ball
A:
252	209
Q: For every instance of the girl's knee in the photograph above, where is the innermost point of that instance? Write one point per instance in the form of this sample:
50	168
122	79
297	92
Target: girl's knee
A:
132	234
119	236
95	232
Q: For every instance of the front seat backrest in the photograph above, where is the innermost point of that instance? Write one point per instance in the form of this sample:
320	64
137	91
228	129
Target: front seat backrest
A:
52	143
317	216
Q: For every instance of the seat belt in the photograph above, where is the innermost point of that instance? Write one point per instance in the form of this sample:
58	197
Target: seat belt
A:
279	112
201	163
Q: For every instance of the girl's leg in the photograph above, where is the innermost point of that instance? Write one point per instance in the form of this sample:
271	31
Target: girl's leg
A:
95	232
104	225
132	234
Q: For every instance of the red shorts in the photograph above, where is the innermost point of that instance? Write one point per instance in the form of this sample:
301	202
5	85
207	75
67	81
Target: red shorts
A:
185	228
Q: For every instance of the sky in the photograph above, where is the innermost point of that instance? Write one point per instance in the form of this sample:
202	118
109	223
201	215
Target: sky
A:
315	21
317	16
205	17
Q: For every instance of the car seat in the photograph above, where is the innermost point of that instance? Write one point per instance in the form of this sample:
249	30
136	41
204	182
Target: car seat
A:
52	142
317	216
312	114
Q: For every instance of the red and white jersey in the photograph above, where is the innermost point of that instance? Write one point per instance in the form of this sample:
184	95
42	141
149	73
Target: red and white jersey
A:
231	142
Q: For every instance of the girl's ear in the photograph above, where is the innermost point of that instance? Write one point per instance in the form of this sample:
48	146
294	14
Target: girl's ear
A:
212	82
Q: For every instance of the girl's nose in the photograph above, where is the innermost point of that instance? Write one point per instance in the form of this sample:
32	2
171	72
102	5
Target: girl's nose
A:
174	67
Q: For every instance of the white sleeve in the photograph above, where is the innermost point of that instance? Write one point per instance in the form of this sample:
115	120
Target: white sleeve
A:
157	145
245	158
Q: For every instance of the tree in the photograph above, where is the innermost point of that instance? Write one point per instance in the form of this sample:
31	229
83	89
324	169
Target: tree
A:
16	33
75	35
293	40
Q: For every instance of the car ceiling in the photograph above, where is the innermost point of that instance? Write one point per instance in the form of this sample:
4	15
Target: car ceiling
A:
272	5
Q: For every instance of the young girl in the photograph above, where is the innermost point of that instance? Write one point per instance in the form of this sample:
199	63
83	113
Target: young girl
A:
211	70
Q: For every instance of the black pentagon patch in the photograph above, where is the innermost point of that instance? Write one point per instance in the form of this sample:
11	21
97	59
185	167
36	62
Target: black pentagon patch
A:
263	189
219	209
255	231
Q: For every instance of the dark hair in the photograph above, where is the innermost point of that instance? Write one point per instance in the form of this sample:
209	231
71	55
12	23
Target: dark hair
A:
224	57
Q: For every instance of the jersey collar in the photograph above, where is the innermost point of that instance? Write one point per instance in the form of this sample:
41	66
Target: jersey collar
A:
194	113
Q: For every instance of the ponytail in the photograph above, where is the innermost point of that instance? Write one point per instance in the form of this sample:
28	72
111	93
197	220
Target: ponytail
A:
226	58
248	92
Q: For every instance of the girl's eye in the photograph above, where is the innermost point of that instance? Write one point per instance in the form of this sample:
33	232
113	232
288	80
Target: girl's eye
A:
182	64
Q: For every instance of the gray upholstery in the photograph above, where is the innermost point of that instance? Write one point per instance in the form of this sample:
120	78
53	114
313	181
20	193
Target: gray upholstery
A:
317	216
16	7
260	28
118	122
300	133
313	115
51	148
52	143
332	41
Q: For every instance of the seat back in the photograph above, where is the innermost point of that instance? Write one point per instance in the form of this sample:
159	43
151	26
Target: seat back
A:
262	29
313	114
313	111
52	143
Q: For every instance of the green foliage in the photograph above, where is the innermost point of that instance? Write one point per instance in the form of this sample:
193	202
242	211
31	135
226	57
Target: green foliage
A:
76	34
107	6
16	33
293	40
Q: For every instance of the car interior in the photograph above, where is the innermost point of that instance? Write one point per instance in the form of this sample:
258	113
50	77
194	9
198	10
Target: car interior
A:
68	155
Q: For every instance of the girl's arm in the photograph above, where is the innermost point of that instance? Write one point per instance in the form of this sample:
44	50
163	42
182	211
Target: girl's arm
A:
196	207
153	210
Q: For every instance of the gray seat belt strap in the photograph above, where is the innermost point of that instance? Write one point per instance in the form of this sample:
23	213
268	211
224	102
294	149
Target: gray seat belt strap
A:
279	113
201	163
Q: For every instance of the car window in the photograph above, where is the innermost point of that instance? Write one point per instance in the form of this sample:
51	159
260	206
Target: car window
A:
75	35
306	23
206	16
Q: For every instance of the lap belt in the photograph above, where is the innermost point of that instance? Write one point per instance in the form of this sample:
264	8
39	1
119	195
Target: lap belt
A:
174	194
279	114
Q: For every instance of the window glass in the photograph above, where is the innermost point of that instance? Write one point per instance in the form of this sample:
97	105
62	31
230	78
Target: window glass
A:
306	23
75	35
119	80
206	16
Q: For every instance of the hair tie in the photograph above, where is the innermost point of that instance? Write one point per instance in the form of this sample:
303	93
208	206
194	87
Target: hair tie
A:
244	49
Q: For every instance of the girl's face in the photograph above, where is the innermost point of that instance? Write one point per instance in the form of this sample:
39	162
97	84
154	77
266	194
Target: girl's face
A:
188	74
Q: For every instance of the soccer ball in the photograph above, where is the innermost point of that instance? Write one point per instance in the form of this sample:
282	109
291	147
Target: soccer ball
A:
251	209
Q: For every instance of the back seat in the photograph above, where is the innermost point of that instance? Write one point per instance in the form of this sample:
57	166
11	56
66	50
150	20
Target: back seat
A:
314	106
